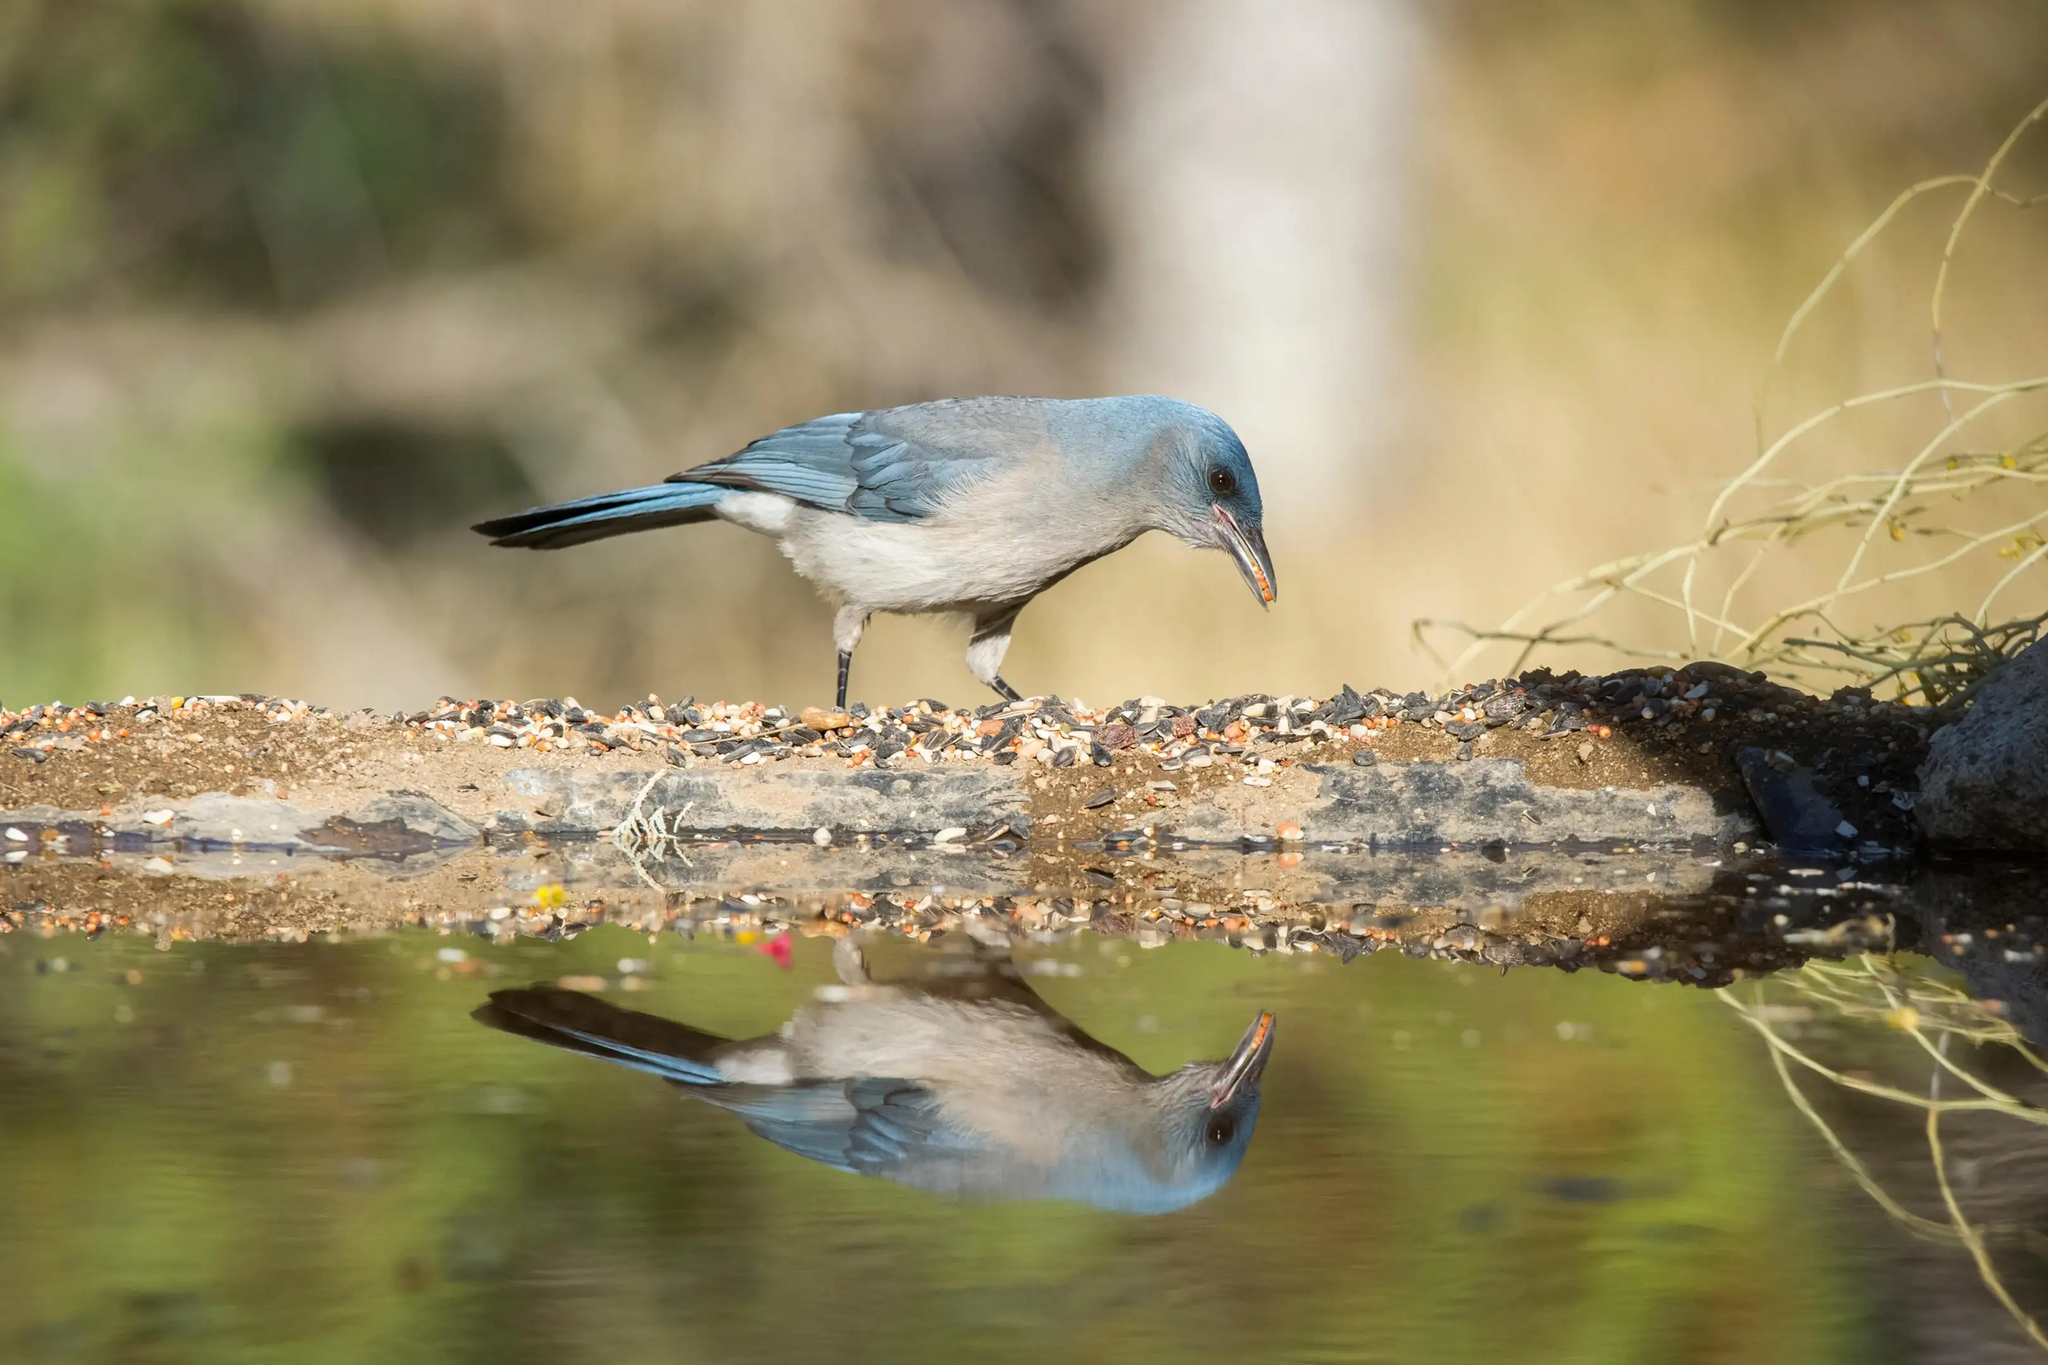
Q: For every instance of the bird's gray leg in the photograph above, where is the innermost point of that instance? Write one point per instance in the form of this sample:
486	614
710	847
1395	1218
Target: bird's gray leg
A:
846	631
991	640
849	962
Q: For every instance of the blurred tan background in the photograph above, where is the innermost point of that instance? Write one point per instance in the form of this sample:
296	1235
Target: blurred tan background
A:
291	294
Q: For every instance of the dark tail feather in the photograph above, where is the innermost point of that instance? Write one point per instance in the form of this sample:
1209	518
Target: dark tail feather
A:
580	1023
613	514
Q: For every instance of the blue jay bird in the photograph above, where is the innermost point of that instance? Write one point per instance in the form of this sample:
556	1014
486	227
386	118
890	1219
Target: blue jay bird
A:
973	1089
968	505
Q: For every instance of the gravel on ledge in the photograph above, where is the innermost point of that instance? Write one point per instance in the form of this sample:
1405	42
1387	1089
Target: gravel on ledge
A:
1636	729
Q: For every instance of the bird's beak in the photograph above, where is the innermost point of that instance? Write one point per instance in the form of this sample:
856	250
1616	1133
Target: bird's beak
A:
1248	548
1245	1062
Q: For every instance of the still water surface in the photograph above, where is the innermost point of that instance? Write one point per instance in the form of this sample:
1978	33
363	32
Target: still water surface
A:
318	1152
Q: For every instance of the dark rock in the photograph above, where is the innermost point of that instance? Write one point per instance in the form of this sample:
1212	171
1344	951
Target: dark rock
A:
1801	821
1985	782
1116	735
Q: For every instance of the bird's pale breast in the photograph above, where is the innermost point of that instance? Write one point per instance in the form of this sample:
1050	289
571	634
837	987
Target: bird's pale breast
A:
1003	545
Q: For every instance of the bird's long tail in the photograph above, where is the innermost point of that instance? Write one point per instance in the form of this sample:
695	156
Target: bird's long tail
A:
580	1023
612	514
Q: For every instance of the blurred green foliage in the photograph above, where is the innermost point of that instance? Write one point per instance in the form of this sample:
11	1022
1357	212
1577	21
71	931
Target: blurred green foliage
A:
311	1153
194	153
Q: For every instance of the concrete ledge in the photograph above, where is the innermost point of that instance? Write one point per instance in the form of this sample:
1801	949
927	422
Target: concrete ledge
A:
1482	800
857	800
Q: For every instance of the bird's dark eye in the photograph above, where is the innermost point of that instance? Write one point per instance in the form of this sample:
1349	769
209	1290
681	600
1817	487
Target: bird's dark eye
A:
1222	482
1220	1131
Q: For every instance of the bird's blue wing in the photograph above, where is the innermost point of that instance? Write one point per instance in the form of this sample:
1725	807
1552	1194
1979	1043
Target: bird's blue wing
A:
864	1126
898	464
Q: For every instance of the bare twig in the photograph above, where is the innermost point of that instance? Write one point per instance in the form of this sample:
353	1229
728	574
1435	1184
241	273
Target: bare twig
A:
1912	522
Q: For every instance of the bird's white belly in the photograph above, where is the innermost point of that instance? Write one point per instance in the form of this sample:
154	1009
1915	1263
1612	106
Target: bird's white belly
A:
937	564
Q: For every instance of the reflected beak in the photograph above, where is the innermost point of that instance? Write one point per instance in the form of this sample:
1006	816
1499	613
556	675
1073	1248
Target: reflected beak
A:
1244	1064
1248	548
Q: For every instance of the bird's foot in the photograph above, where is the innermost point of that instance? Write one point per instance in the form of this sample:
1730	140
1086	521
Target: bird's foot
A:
849	963
1003	689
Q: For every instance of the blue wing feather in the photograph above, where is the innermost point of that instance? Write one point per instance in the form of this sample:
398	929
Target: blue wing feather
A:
855	463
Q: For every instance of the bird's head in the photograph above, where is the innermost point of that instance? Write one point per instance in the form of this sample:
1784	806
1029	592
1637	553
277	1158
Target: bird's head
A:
1211	497
1206	1112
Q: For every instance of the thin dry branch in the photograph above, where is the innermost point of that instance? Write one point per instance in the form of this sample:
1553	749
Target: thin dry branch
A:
1907	523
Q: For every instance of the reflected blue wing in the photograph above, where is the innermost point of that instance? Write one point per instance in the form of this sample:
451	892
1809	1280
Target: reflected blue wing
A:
863	1126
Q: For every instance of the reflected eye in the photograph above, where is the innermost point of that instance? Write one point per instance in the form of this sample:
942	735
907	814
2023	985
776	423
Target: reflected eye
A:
1222	482
1220	1131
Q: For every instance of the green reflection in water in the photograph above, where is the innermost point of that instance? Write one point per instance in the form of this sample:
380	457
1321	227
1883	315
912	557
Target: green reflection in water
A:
312	1153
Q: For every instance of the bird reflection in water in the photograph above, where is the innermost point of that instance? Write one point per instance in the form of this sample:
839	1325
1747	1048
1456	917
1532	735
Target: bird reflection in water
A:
965	1083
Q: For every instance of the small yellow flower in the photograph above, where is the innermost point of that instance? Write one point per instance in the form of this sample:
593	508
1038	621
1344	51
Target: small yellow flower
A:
551	896
1905	1017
